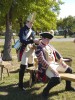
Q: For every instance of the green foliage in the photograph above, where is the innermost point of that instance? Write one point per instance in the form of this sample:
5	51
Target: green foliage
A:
19	10
67	23
4	9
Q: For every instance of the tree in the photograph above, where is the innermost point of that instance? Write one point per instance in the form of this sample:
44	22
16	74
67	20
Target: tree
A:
6	12
67	23
10	8
16	11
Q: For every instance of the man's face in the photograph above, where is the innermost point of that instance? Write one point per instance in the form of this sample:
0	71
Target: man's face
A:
30	24
46	40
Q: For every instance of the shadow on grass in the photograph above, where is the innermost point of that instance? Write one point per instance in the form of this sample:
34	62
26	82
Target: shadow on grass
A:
16	71
12	92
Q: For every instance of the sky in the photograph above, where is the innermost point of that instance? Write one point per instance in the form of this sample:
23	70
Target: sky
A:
68	8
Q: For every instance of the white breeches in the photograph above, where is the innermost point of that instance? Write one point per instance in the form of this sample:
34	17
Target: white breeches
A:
28	56
57	67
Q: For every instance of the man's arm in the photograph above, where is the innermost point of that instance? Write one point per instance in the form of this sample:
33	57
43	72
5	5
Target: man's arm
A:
40	57
58	55
42	60
61	59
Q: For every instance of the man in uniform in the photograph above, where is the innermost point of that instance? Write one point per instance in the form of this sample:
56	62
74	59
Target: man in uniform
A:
46	55
27	59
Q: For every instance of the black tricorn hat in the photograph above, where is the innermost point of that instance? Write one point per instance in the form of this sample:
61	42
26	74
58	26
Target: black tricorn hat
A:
47	35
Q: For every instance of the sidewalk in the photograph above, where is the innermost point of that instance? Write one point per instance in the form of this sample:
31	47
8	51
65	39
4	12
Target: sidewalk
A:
54	39
63	39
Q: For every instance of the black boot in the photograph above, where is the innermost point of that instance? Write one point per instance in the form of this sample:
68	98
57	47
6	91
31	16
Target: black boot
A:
68	83
33	73
33	76
21	75
53	82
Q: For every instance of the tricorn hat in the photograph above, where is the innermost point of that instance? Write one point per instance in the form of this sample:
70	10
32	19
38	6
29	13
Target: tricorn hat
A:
52	32
31	17
47	35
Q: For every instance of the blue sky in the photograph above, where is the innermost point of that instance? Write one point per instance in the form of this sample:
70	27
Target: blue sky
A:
68	8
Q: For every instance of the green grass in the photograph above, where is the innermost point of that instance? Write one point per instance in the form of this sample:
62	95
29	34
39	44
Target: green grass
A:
9	89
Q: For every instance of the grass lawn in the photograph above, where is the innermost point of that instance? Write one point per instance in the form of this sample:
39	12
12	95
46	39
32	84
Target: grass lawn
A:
9	89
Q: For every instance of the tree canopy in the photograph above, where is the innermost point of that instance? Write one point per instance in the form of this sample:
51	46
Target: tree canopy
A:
67	23
46	10
13	14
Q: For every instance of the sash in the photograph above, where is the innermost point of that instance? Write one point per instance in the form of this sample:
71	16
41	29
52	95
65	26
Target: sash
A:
18	43
28	34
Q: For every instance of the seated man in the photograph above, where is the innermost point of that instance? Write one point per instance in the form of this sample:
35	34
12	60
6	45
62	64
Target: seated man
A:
47	64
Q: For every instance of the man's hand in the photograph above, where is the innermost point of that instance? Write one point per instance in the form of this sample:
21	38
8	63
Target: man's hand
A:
33	46
37	41
63	63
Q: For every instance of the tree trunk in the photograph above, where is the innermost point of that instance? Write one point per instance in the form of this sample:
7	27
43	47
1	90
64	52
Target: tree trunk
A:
8	40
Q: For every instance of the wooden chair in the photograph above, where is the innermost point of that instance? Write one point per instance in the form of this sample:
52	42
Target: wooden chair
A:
4	65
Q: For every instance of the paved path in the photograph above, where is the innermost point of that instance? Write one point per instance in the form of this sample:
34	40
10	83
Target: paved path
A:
63	39
54	39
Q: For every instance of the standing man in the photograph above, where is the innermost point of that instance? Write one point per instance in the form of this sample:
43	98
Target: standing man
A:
65	33
47	65
26	41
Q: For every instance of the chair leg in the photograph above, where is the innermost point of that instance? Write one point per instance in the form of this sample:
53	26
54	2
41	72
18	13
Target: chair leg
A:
2	72
7	72
30	80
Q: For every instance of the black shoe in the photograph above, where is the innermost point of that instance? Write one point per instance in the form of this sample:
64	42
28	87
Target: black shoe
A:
70	89
45	94
22	88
